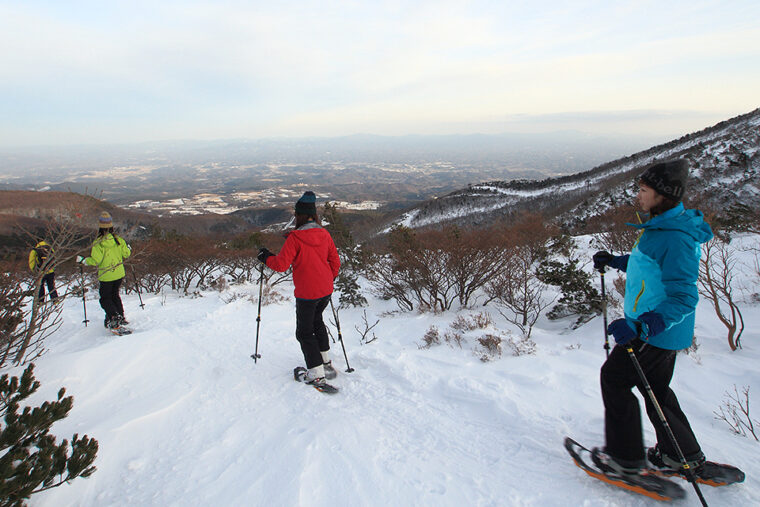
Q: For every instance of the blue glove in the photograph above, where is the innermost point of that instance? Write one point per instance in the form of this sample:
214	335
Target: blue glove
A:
621	331
652	324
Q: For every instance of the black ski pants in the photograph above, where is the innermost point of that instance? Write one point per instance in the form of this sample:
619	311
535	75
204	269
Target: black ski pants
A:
110	300
622	418
49	280
311	332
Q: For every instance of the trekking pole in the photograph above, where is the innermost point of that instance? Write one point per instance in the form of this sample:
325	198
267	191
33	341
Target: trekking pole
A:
686	467
84	290
604	314
256	354
137	286
340	336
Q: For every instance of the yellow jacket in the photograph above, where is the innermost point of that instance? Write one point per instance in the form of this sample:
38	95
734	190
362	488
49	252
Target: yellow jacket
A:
108	254
38	257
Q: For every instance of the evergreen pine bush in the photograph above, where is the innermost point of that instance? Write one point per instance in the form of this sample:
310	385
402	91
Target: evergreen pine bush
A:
31	459
578	297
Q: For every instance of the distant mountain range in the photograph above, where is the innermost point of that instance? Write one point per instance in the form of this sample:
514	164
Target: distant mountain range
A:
724	161
724	165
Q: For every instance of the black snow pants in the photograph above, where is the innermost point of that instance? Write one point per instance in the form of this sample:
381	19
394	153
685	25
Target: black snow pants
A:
311	332
622	418
49	280
110	300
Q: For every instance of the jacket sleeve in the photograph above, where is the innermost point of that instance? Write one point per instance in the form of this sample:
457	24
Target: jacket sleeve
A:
282	261
126	251
333	259
679	261
620	262
96	254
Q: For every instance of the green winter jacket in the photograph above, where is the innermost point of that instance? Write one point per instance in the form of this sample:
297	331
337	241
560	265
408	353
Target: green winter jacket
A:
108	254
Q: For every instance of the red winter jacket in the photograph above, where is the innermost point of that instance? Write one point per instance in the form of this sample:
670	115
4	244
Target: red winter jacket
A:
311	251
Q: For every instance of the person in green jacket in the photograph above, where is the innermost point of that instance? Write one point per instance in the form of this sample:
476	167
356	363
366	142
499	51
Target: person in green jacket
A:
39	259
108	254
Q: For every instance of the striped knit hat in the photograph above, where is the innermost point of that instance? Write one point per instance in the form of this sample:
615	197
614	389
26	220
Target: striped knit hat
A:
104	220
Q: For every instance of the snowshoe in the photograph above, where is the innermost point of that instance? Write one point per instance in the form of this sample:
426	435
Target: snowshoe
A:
644	481
114	325
301	374
706	472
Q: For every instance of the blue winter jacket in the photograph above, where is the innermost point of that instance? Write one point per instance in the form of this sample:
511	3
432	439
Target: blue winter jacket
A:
662	273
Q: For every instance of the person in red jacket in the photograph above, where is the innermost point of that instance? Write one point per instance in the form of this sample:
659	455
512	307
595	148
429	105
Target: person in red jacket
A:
312	253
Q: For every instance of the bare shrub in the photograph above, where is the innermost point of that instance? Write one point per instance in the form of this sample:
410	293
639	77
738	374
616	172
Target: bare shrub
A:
433	269
453	338
363	339
617	237
520	296
523	346
269	296
24	323
219	284
716	274
489	347
240	266
472	322
735	413
431	337
693	351
26	326
619	284
231	297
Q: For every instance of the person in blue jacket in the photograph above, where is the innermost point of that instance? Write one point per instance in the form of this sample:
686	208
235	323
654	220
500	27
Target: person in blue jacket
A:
660	302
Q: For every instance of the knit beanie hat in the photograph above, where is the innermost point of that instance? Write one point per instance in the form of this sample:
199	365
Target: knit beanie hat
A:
307	204
667	178
104	220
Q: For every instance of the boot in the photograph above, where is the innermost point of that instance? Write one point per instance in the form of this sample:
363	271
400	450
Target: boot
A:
660	460
315	376
330	372
113	322
616	466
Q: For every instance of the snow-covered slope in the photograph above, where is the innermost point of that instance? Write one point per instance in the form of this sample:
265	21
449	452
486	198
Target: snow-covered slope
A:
185	417
725	169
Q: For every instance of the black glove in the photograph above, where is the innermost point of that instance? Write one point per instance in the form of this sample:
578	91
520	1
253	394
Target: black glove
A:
264	254
602	259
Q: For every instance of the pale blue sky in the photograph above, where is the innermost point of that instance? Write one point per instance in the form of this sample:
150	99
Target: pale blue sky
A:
125	71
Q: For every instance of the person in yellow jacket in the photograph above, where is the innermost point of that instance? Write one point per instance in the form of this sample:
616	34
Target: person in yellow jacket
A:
108	254
39	259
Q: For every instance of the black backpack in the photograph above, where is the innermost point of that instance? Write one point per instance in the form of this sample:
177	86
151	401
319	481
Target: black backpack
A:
43	252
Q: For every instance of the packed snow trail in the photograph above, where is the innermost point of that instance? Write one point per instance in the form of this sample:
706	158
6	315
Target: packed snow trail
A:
184	416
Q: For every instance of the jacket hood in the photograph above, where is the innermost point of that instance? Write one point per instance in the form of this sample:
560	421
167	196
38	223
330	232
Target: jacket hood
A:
107	239
689	221
311	234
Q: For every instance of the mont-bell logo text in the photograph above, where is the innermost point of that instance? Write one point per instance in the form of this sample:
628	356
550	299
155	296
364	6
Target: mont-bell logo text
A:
663	187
